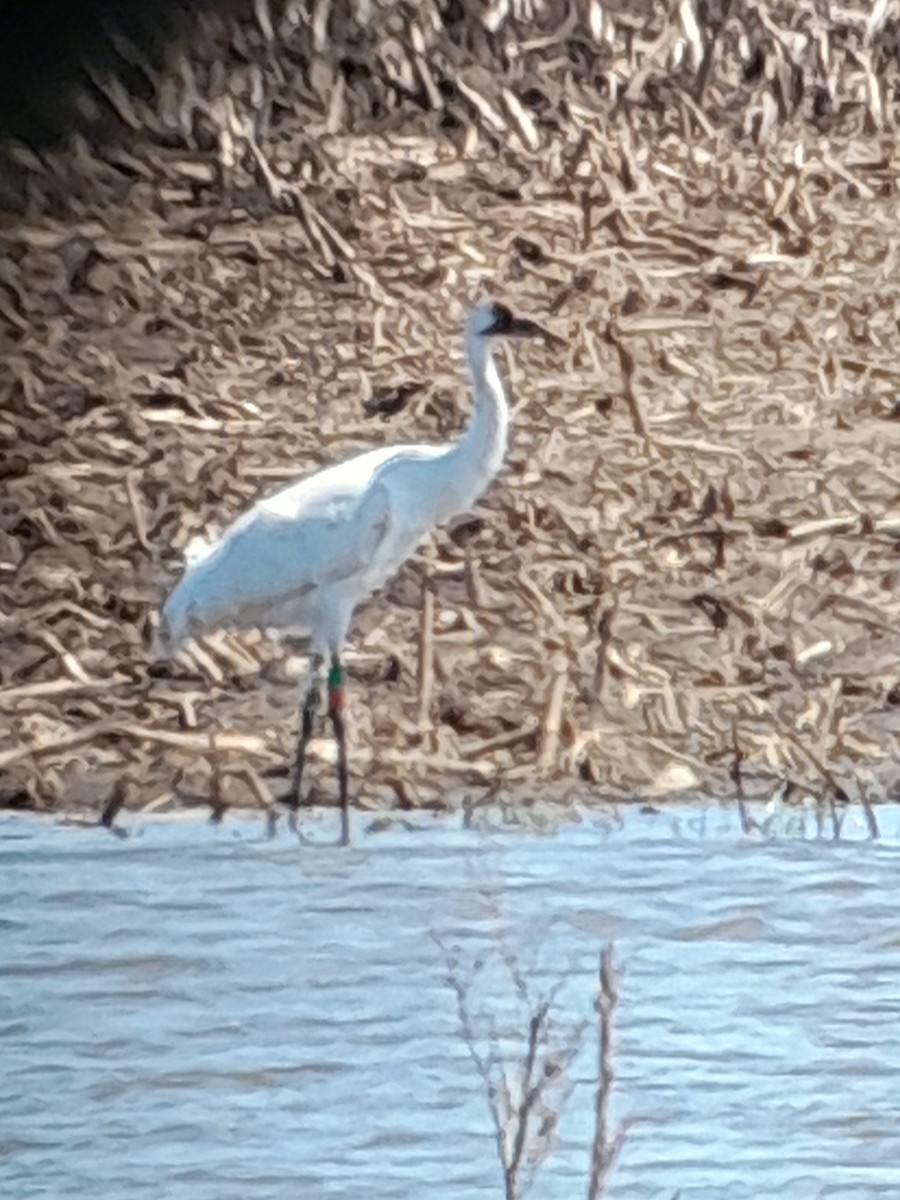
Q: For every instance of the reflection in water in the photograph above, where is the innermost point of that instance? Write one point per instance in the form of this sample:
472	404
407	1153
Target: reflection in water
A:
208	1013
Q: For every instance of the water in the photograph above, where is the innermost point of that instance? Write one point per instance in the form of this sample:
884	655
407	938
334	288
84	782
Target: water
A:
209	1013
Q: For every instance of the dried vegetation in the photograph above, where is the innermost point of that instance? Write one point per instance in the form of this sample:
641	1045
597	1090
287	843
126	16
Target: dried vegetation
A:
687	577
528	1067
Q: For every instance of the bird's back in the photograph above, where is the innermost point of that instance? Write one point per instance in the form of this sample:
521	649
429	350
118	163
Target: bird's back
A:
328	492
310	543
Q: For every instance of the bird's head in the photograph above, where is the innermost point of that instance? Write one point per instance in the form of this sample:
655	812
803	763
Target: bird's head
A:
495	320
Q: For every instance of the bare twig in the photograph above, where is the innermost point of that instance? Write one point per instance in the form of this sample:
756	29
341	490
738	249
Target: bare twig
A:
604	633
748	824
113	805
426	660
526	1095
606	1144
528	1098
626	362
837	793
552	718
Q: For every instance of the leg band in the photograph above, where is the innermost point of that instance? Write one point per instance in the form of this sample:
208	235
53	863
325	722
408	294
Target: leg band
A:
336	688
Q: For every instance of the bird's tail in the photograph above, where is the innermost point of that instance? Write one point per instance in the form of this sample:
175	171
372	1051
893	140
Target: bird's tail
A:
172	630
186	603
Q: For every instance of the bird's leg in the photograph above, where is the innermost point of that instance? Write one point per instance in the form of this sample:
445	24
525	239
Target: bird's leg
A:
307	716
336	713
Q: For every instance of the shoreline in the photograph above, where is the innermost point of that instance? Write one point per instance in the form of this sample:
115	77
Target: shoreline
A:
686	577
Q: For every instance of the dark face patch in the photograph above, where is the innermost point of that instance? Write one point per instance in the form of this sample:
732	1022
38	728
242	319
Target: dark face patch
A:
501	321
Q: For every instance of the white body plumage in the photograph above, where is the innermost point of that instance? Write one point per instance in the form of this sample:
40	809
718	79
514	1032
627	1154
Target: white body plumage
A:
303	558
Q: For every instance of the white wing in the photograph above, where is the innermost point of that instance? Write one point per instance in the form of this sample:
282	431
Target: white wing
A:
274	563
330	492
270	569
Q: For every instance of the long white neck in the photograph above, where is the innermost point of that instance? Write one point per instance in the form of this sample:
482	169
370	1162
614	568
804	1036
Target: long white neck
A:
477	456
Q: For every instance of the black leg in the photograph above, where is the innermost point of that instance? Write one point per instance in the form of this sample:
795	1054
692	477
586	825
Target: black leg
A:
336	713
307	716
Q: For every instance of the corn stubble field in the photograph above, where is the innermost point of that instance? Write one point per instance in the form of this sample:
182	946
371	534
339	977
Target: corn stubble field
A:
686	580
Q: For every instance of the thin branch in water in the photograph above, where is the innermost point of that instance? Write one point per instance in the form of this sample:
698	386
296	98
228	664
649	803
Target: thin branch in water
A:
606	1145
525	1095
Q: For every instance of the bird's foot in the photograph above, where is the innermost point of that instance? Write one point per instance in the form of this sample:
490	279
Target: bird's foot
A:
291	800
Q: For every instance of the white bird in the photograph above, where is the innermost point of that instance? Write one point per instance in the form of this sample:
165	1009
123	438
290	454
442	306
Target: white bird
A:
302	559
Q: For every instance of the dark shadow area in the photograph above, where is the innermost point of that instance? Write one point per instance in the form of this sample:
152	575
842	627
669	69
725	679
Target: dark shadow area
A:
52	53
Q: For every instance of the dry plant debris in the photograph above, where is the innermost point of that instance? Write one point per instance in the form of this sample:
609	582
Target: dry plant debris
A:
689	569
525	1050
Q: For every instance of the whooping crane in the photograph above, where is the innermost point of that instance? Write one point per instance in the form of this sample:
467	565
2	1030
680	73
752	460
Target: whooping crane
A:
303	558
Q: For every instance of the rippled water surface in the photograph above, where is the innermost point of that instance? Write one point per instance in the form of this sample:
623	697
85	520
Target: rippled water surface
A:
211	1013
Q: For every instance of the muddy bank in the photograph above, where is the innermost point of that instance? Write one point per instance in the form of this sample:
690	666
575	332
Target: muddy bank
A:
686	579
